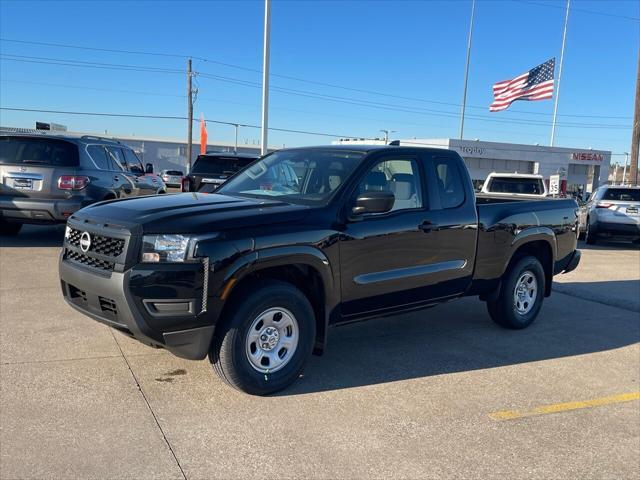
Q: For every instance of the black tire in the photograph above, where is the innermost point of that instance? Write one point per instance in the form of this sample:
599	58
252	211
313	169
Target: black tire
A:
228	353
9	228
590	236
503	311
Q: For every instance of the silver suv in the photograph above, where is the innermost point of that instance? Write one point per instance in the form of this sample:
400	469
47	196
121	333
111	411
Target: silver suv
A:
46	178
611	211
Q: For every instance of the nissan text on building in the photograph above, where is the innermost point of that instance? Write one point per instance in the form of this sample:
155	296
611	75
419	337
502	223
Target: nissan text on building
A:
580	169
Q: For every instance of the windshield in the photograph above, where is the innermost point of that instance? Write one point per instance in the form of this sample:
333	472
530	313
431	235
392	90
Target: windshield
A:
622	194
38	151
525	186
219	165
298	176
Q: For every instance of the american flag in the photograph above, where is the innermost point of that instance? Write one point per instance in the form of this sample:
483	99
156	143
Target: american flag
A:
536	84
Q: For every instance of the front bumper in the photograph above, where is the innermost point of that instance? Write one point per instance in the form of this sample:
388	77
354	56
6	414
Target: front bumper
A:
574	262
27	210
145	303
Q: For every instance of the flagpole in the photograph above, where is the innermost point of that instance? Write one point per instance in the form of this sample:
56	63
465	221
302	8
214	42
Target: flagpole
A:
466	72
555	105
265	80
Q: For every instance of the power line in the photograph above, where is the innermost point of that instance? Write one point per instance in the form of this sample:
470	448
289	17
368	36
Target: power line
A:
174	117
289	77
582	10
306	111
309	94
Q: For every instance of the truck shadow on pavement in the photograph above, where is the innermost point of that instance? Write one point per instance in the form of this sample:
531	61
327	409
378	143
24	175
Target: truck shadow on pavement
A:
460	337
35	236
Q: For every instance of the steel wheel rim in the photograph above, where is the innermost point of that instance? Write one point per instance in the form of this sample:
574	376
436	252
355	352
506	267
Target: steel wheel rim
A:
272	340
525	292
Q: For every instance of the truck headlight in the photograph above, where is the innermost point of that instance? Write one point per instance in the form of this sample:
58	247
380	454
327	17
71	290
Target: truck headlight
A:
164	248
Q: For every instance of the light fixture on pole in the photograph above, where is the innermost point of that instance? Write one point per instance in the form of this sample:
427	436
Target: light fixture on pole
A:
386	135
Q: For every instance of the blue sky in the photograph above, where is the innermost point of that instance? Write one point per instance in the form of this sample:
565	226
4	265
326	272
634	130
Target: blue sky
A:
410	49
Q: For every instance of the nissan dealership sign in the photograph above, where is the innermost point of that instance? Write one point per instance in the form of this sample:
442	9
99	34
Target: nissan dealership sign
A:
587	156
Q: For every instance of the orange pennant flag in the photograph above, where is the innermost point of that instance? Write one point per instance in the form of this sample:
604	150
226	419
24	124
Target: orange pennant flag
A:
203	135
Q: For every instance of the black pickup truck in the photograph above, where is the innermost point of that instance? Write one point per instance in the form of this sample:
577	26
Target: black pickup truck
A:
304	239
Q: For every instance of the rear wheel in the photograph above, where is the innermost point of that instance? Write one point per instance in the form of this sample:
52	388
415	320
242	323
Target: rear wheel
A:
521	294
265	339
9	228
590	236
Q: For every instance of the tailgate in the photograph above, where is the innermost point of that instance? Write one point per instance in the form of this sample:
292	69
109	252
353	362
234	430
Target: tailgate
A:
31	166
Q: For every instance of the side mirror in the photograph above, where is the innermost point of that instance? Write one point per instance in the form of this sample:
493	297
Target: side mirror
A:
374	202
148	168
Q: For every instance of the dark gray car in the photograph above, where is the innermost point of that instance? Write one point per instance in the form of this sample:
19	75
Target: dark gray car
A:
46	178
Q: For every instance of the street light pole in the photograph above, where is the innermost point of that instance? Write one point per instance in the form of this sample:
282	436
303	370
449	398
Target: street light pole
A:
624	170
235	148
265	79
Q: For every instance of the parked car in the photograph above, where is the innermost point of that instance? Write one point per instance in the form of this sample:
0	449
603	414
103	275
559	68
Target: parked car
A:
172	178
46	178
213	169
254	274
515	184
611	211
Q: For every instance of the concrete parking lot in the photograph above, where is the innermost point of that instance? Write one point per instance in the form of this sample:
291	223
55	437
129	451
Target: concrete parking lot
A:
412	396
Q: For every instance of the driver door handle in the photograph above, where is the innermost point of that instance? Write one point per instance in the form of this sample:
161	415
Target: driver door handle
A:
116	178
426	226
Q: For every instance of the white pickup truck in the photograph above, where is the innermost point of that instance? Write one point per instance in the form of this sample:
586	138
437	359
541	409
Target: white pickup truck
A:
524	185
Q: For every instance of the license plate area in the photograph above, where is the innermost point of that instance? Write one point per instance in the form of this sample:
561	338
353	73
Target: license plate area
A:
22	183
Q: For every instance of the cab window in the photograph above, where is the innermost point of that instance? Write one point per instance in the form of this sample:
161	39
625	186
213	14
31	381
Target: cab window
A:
400	177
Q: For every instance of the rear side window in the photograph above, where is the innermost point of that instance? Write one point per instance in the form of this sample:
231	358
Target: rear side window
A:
526	186
450	187
117	158
622	194
38	151
99	156
132	159
219	165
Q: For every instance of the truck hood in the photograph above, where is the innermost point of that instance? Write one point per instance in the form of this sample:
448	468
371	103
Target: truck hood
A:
191	213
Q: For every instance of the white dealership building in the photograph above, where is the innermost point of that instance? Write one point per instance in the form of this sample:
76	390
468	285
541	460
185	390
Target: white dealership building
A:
583	168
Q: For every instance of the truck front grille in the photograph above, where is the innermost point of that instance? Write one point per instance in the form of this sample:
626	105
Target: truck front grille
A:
94	262
109	246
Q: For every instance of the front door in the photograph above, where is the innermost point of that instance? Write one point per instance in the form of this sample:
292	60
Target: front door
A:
413	254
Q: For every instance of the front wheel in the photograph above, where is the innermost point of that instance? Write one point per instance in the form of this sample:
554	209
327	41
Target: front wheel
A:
521	295
9	228
265	339
590	236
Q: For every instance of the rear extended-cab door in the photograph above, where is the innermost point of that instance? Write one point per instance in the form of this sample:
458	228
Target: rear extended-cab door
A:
453	221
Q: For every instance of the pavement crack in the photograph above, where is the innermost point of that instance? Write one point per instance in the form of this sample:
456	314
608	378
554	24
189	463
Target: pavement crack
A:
153	414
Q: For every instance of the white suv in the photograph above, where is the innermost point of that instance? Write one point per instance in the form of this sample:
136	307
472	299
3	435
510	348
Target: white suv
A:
611	211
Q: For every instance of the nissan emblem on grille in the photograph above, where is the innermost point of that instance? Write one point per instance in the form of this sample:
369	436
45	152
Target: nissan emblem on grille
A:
85	242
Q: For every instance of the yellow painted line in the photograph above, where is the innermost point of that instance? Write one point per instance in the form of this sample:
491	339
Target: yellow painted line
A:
565	407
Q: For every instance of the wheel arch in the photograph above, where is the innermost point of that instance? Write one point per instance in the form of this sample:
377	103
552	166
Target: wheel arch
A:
539	242
306	268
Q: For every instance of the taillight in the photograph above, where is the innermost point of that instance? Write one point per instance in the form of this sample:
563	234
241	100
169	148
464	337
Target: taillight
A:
604	205
72	182
185	184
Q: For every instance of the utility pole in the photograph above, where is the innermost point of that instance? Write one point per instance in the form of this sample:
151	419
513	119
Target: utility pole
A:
466	71
189	115
555	105
386	135
264	147
635	133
